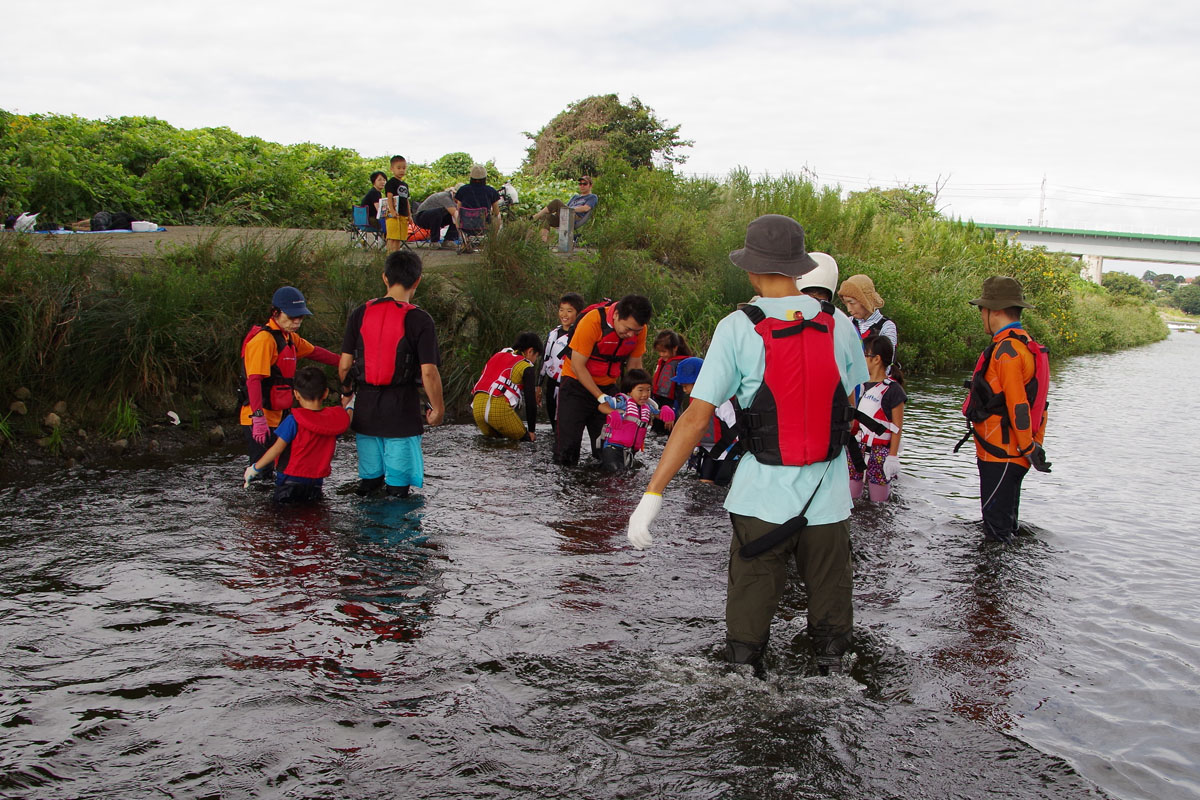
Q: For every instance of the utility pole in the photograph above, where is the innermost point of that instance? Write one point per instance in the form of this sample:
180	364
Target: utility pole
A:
1042	207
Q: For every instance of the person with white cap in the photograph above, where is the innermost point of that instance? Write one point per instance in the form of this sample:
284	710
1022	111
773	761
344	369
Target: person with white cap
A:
789	362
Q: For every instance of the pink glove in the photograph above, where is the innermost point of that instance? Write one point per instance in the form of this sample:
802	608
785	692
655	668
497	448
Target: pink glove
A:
667	415
259	429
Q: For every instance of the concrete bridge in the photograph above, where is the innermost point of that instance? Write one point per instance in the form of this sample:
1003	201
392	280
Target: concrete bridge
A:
1092	247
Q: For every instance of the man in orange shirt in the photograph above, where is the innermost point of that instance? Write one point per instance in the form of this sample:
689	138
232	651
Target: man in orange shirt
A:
1006	407
269	356
607	340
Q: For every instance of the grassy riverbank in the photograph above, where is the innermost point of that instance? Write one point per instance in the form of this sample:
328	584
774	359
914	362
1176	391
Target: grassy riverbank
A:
131	339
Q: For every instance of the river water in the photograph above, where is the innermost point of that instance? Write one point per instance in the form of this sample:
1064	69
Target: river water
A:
167	634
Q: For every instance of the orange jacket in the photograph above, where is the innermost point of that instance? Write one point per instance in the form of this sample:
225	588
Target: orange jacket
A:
1011	367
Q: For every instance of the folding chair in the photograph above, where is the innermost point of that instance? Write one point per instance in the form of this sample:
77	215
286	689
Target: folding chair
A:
472	227
363	234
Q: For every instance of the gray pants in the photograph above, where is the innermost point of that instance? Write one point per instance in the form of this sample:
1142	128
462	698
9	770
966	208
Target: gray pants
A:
822	555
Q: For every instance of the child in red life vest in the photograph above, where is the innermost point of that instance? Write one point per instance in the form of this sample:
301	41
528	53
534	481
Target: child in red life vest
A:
508	382
882	400
305	440
671	349
629	416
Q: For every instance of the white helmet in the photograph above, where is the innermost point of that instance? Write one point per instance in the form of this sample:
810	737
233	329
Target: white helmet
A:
823	276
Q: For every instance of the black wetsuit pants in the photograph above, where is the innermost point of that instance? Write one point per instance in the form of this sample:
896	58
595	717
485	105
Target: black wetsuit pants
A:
1000	498
577	409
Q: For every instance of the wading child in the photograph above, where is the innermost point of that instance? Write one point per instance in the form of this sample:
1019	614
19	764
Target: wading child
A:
569	306
715	457
671	349
397	205
629	414
304	441
509	380
882	400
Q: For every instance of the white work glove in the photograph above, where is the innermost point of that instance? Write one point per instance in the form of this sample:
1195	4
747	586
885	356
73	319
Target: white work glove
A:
643	515
615	402
891	467
250	474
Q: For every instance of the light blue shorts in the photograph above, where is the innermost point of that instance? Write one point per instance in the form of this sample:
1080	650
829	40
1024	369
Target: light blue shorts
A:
397	460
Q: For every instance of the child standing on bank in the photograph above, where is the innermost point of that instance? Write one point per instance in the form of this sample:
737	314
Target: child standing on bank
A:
569	306
671	349
883	400
625	430
305	440
396	191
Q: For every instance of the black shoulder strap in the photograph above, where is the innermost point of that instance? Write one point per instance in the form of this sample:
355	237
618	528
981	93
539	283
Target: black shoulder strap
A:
755	313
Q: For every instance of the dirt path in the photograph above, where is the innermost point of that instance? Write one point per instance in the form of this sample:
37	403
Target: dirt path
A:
140	245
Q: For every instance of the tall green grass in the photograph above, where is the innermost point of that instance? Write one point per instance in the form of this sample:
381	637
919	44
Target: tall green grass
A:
84	326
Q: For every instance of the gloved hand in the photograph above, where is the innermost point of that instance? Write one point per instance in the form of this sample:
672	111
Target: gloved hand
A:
1038	458
891	467
615	402
250	474
639	522
259	429
667	415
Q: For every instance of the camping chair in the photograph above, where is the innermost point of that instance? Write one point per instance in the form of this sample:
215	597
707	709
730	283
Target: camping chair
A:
472	227
363	234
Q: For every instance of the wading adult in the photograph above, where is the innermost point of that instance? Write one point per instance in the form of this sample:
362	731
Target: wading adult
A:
608	339
1006	406
389	350
789	362
269	356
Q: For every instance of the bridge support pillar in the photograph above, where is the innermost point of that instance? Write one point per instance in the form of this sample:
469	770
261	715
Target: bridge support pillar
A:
1093	269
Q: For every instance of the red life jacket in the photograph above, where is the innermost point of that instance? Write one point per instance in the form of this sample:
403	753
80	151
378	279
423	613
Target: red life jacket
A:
277	387
800	415
496	379
981	402
309	453
664	371
383	356
610	351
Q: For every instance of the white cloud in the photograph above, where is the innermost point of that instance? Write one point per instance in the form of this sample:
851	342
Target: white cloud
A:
1096	95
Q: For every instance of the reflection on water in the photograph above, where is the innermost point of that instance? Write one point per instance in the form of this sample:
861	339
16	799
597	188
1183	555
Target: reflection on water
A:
163	628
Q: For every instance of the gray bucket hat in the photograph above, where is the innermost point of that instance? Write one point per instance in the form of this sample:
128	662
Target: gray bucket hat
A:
774	244
1000	292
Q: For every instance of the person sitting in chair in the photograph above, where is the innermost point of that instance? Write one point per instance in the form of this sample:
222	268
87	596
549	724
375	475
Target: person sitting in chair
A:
580	205
476	197
371	199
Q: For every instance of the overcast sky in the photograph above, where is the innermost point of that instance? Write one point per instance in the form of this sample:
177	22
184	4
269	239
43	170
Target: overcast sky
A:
1098	97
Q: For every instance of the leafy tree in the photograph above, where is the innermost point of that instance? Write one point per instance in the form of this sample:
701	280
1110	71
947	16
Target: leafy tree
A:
1126	284
913	202
579	139
1187	297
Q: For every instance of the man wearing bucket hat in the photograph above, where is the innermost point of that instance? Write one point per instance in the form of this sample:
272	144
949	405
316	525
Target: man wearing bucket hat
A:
269	356
790	497
1006	406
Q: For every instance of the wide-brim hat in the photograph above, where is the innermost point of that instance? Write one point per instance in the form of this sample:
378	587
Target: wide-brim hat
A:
478	171
1001	292
862	289
774	245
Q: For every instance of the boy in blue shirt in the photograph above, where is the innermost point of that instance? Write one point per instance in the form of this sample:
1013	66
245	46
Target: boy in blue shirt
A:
305	440
793	476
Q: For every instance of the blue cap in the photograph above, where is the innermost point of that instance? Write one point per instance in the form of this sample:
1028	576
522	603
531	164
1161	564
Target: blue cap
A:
289	300
688	370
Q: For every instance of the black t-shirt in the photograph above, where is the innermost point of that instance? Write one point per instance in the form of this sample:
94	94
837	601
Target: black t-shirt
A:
393	411
477	195
400	189
369	200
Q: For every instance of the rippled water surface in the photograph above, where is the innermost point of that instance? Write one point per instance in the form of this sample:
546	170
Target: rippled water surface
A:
167	634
